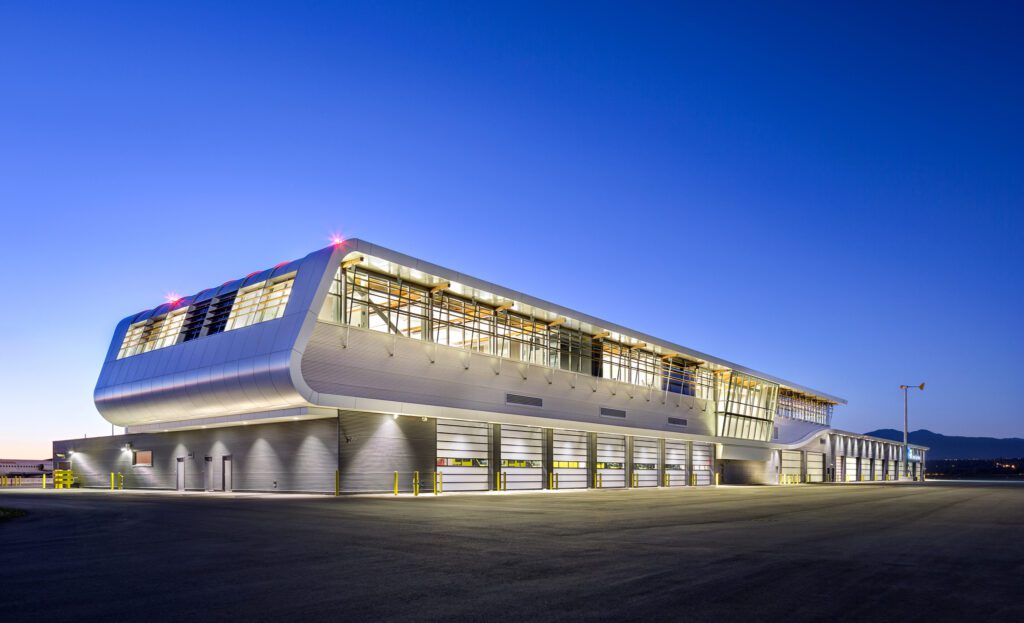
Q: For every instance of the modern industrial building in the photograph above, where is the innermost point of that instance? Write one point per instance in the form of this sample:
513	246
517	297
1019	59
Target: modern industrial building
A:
360	369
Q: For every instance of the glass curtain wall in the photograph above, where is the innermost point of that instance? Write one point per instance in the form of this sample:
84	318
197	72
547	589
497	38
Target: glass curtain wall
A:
745	405
799	407
388	304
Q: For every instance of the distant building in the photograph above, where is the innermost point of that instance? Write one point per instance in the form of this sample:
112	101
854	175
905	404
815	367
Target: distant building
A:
368	362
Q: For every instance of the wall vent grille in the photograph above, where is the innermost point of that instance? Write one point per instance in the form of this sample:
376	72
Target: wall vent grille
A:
529	401
677	421
605	411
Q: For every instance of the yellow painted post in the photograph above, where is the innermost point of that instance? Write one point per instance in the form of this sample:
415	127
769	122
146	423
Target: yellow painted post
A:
440	481
717	478
415	483
396	483
497	481
44	481
111	481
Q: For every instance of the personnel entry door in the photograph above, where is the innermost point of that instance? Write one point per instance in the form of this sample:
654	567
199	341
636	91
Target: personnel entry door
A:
226	474
179	474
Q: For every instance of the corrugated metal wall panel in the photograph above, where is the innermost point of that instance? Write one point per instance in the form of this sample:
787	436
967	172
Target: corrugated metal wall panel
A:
297	456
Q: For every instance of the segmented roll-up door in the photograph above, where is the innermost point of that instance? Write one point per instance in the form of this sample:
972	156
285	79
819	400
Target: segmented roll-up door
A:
675	463
522	457
611	460
702	457
569	459
462	455
891	473
840	472
645	462
791	468
851	469
815	467
876	469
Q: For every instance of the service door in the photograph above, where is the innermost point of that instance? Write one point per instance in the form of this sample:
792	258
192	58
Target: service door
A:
569	452
226	474
610	462
791	471
703	454
851	469
815	467
179	474
461	456
522	457
675	463
208	473
645	462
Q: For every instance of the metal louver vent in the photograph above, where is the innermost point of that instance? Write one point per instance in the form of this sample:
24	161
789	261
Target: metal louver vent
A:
605	411
517	399
677	421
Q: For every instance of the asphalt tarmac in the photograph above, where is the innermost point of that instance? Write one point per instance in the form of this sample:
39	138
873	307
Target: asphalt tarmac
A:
896	552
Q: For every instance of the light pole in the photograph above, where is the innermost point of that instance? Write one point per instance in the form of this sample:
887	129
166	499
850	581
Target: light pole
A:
906	443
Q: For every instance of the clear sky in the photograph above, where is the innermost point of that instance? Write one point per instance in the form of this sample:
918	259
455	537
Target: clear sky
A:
829	192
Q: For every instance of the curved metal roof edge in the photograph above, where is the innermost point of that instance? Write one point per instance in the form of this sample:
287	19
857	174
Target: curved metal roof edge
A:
369	248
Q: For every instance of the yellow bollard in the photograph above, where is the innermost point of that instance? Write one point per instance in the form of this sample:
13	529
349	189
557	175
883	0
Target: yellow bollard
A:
415	483
396	483
111	481
497	481
440	481
716	478
44	481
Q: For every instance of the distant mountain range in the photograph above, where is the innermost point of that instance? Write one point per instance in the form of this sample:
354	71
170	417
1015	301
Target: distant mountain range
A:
953	447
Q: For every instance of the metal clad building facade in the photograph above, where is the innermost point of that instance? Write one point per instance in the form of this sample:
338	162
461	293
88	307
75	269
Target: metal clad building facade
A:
364	369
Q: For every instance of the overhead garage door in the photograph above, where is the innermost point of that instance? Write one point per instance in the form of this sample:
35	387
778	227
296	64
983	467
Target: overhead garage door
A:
815	467
891	473
569	459
611	460
702	457
791	469
675	463
522	457
851	469
645	462
876	469
462	455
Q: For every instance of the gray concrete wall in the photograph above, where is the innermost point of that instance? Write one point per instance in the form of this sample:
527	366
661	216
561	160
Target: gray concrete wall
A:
297	456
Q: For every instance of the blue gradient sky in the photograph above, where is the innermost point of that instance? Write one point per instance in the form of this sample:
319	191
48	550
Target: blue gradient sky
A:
829	192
